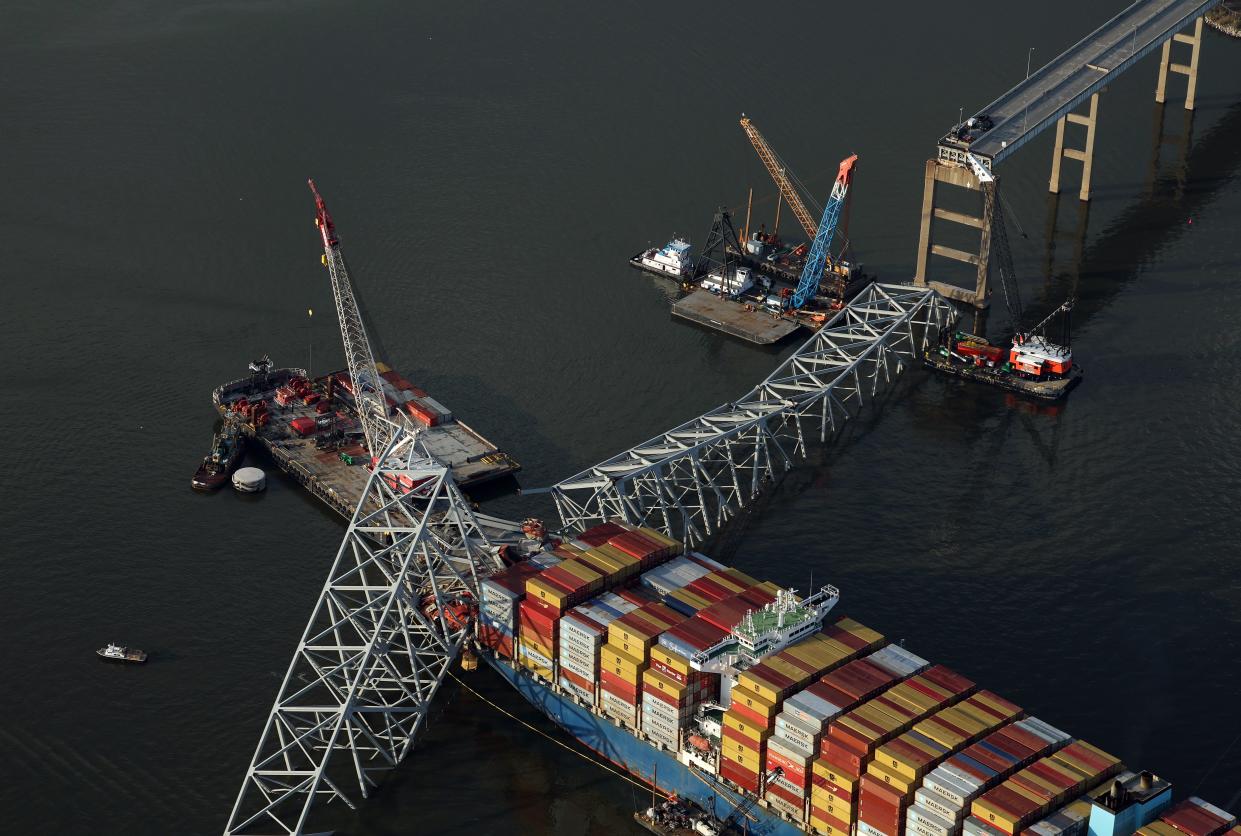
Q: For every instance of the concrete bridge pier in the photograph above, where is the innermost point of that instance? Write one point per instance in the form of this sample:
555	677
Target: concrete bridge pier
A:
938	172
1085	155
1190	70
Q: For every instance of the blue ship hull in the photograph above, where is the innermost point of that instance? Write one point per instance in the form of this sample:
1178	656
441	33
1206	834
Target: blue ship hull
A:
635	756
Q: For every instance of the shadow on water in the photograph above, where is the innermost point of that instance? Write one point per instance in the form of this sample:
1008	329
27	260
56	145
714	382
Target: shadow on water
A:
1163	214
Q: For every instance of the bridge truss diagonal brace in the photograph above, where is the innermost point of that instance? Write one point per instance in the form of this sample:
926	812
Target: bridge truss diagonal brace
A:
692	479
1190	70
378	645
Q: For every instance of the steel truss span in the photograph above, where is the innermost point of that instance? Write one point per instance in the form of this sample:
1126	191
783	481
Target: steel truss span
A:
690	480
378	644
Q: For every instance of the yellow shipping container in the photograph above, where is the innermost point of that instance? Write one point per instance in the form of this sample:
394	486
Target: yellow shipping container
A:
904	694
814	653
751	759
825	797
633	635
963	720
630	563
825	828
770	587
579	569
792	671
599	558
831	772
899	763
742	695
536	587
656	681
622	663
943	736
756	685
660	537
670	658
860	630
876	715
722	578
1078	767
536	644
901	783
1027	793
741	577
1111	759
527	662
992	814
845	813
1007	712
746	727
697	602
979	715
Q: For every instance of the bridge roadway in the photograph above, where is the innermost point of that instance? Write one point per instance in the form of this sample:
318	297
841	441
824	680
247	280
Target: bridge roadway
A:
1076	74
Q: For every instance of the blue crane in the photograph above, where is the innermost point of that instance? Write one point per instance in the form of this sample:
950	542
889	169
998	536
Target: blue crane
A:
812	273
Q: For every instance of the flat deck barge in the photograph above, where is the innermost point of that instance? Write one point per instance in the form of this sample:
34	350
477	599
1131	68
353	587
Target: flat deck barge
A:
336	472
754	325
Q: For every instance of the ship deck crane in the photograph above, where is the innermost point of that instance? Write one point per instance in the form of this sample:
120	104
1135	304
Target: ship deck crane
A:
818	259
780	173
368	393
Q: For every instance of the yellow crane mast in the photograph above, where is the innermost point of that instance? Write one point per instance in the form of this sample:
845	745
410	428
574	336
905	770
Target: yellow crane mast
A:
779	173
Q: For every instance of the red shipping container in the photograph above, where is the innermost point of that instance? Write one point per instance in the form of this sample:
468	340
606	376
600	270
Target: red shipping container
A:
709	589
756	597
576	679
303	426
618	686
845	637
835	789
600	534
1054	774
739	775
1003	741
834	821
1194	820
987	758
949	679
749	714
778	791
843	755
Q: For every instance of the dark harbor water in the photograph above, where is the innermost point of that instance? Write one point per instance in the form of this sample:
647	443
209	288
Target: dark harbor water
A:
491	167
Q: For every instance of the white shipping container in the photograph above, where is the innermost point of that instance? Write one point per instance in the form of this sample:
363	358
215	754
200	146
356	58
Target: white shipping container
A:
574	688
579	670
545	559
1212	809
1046	731
788	786
713	565
811	708
533	655
975	826
784	806
943	783
940	805
898	661
791	750
938	825
914	827
444	412
865	829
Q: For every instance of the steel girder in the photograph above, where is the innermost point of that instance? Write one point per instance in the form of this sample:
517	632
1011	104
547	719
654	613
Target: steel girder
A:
378	644
690	480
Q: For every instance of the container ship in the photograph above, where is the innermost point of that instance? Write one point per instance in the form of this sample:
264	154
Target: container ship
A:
311	429
744	698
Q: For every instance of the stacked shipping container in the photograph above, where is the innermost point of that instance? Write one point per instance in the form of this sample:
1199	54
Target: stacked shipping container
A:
1193	817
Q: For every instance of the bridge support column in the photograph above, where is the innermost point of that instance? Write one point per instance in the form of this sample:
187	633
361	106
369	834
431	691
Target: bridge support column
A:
953	175
1189	70
1085	155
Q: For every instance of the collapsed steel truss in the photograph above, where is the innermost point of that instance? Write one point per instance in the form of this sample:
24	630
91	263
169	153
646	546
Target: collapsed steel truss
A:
379	643
690	480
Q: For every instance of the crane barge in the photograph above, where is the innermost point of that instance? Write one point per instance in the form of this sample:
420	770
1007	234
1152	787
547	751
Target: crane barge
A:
1029	363
326	431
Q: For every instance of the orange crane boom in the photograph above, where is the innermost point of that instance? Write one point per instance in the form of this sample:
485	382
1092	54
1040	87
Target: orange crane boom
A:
779	173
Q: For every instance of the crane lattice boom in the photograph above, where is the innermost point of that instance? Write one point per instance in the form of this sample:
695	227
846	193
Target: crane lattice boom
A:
367	388
779	173
812	273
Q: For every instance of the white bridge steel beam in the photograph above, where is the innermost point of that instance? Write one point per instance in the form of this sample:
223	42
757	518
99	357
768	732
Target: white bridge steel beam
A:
690	480
378	644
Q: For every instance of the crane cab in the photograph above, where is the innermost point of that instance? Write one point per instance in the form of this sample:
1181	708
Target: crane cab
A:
1037	356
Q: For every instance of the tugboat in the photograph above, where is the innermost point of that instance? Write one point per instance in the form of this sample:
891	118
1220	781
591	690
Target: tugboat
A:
672	260
226	452
116	653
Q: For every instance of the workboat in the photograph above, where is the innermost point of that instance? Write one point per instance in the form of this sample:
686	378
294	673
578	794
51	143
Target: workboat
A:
747	702
227	448
672	259
1030	365
116	653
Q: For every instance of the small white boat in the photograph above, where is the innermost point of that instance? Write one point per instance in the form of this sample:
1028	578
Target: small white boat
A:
672	259
116	653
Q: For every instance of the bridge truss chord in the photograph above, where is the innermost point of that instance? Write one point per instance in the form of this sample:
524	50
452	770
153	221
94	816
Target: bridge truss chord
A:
692	479
378	645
